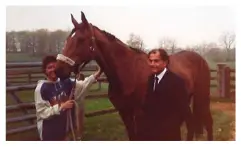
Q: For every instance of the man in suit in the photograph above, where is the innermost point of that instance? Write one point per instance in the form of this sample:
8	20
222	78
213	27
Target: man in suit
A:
166	104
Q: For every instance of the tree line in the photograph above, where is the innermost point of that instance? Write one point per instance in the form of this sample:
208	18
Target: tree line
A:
223	50
42	42
39	42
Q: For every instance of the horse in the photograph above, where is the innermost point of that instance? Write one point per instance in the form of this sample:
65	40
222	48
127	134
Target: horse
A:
127	71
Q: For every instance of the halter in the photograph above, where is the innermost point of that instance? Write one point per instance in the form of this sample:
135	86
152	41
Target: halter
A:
71	62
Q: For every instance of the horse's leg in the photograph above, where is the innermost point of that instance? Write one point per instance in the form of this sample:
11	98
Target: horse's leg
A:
190	128
197	115
203	117
203	109
209	125
207	119
189	122
127	118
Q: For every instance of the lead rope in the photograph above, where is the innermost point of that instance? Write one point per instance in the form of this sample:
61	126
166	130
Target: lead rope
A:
69	116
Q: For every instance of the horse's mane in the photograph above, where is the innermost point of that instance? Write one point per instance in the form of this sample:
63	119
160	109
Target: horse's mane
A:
108	35
137	50
113	38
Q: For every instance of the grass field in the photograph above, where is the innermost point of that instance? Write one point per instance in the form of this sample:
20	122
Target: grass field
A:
110	127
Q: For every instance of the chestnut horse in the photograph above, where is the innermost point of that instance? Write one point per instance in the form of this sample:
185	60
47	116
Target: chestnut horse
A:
127	71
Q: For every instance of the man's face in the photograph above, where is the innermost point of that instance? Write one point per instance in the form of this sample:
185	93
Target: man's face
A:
156	63
50	71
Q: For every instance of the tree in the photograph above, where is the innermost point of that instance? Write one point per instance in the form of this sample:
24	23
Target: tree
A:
215	55
24	40
168	43
227	41
39	42
136	41
57	39
202	48
42	41
33	42
10	41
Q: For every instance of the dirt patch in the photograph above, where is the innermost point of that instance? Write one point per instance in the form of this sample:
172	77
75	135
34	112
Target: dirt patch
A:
229	109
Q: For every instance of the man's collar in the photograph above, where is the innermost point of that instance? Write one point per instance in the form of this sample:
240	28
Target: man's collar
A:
160	75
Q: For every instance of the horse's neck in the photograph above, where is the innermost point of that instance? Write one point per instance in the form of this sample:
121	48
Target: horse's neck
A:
117	62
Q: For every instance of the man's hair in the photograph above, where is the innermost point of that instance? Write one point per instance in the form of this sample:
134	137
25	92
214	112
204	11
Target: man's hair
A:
163	54
46	60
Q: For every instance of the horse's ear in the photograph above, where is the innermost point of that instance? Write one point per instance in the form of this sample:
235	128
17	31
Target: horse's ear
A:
75	23
84	20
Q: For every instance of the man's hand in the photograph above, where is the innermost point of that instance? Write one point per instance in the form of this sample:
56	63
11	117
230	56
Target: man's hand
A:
67	105
98	73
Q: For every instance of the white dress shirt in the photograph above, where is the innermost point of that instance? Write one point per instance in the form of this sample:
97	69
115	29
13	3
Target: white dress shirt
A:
159	76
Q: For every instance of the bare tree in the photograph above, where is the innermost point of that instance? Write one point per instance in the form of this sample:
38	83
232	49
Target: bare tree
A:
202	48
11	38
136	41
168	43
42	41
57	39
227	41
189	48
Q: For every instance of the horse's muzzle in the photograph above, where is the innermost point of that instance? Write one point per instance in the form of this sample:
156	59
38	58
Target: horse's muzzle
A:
61	73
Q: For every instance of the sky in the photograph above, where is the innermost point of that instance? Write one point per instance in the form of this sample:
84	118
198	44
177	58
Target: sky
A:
187	25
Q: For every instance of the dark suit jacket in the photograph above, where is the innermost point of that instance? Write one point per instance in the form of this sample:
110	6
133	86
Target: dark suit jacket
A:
165	108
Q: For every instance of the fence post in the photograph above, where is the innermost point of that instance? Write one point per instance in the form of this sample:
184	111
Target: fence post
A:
227	82
221	79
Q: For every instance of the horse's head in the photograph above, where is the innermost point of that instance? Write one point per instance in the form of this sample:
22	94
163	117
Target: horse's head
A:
79	48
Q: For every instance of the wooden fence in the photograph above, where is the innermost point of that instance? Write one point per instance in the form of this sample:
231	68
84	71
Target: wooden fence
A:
21	76
226	81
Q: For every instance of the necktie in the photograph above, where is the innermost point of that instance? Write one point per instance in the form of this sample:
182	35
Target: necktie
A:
155	83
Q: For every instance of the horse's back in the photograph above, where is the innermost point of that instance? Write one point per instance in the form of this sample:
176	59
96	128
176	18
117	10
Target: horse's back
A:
191	67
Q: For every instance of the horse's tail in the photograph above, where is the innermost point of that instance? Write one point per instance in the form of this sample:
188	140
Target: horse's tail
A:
201	97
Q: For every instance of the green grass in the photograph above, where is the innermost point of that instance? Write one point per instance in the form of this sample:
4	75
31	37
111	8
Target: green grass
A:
97	104
107	127
110	127
221	127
